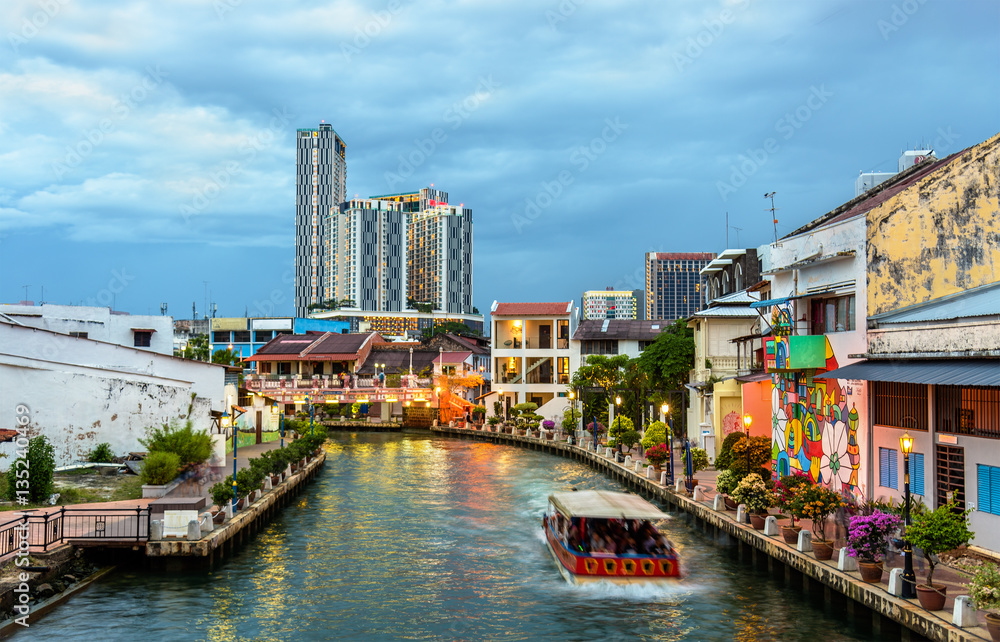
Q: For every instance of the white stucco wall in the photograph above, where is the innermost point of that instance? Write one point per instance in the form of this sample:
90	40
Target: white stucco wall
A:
80	392
99	323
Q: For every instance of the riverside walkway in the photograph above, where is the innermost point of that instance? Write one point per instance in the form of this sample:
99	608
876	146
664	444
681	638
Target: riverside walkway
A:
891	615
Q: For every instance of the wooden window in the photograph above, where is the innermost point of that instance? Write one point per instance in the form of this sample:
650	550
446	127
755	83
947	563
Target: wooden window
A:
143	338
833	315
950	475
967	410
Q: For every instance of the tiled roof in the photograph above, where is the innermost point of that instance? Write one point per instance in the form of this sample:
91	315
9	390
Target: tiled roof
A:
621	329
398	361
530	309
454	357
315	346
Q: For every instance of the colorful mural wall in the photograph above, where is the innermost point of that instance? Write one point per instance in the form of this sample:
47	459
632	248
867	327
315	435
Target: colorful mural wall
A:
815	428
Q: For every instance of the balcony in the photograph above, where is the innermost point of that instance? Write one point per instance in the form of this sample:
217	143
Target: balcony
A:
537	342
266	384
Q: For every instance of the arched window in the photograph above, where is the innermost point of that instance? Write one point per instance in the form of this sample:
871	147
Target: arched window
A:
715	288
739	277
725	282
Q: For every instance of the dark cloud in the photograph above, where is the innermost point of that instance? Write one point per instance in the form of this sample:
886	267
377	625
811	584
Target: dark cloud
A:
158	137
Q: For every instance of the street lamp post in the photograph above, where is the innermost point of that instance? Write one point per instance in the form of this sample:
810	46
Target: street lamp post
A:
664	410
618	439
909	578
226	423
281	428
312	414
747	420
572	401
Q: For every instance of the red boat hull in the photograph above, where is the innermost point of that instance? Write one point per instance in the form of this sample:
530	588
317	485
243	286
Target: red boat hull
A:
633	568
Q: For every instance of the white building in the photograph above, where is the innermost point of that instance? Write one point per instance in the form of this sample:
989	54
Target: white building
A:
80	392
368	242
531	355
609	304
147	332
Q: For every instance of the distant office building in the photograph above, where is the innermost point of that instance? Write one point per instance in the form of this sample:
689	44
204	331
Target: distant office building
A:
320	187
674	284
640	304
245	335
608	304
399	325
439	250
368	255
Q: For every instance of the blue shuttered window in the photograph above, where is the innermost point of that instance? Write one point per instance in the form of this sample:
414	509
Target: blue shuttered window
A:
989	488
888	468
917	474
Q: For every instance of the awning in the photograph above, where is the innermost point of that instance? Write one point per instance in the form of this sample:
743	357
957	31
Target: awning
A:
766	303
753	378
602	504
948	372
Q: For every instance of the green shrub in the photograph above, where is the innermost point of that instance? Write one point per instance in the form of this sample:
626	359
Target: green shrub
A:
222	493
726	482
699	459
494	420
248	480
656	433
101	454
725	456
526	408
478	411
39	466
261	465
193	447
570	417
759	457
630	438
160	467
942	529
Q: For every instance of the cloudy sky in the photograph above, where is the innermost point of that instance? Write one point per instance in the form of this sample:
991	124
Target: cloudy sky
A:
147	148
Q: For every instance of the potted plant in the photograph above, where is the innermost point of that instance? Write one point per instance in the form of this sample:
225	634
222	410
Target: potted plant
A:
867	538
549	427
935	532
656	433
222	494
817	503
493	421
985	592
754	493
784	492
657	455
725	484
699	461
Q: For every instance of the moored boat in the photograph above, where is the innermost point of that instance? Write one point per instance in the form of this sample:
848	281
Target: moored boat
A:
606	536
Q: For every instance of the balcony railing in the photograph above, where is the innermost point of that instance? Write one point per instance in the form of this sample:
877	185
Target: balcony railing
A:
286	382
532	343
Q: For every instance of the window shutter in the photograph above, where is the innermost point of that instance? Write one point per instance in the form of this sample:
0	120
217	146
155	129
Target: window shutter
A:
917	473
893	469
994	489
984	476
883	467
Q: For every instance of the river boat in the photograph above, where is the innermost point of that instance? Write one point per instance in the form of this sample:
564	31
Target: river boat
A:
598	535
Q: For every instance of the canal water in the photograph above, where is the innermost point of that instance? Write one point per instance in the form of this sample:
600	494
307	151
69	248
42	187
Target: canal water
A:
411	537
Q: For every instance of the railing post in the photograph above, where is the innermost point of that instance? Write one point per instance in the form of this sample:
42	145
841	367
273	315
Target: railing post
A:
138	518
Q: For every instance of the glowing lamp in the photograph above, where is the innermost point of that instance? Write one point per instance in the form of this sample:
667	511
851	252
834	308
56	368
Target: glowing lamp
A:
906	443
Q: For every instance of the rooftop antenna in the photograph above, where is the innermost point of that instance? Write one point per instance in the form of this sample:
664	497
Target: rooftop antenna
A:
770	195
26	291
727	229
738	230
194	312
163	309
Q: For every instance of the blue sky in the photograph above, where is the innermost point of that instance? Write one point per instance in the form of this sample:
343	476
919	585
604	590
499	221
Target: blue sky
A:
147	148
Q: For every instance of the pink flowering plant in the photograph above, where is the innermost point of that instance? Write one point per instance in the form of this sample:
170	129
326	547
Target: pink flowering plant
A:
548	424
868	535
657	454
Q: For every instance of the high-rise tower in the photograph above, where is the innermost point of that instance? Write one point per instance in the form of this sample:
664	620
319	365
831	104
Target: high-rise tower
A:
368	247
439	250
674	284
320	184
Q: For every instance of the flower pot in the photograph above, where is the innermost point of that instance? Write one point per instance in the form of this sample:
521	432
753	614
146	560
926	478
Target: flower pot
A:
790	534
993	625
730	504
822	549
690	484
870	571
932	597
275	480
219	517
757	521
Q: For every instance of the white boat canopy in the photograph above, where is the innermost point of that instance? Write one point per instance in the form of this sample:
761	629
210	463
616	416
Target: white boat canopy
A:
603	504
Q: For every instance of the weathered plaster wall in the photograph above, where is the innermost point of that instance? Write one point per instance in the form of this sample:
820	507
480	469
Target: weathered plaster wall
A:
938	237
931	339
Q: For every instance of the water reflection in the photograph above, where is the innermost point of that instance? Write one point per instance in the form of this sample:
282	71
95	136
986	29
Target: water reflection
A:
408	537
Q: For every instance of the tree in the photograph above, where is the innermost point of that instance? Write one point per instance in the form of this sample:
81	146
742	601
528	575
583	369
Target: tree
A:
456	382
670	358
197	348
599	371
226	357
449	327
33	472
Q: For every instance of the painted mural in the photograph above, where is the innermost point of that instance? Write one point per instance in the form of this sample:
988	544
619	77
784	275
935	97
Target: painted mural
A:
815	428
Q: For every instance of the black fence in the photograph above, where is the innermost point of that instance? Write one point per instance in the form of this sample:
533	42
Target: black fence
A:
52	528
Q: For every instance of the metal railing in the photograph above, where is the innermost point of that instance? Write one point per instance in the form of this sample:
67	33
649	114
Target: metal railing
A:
55	527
